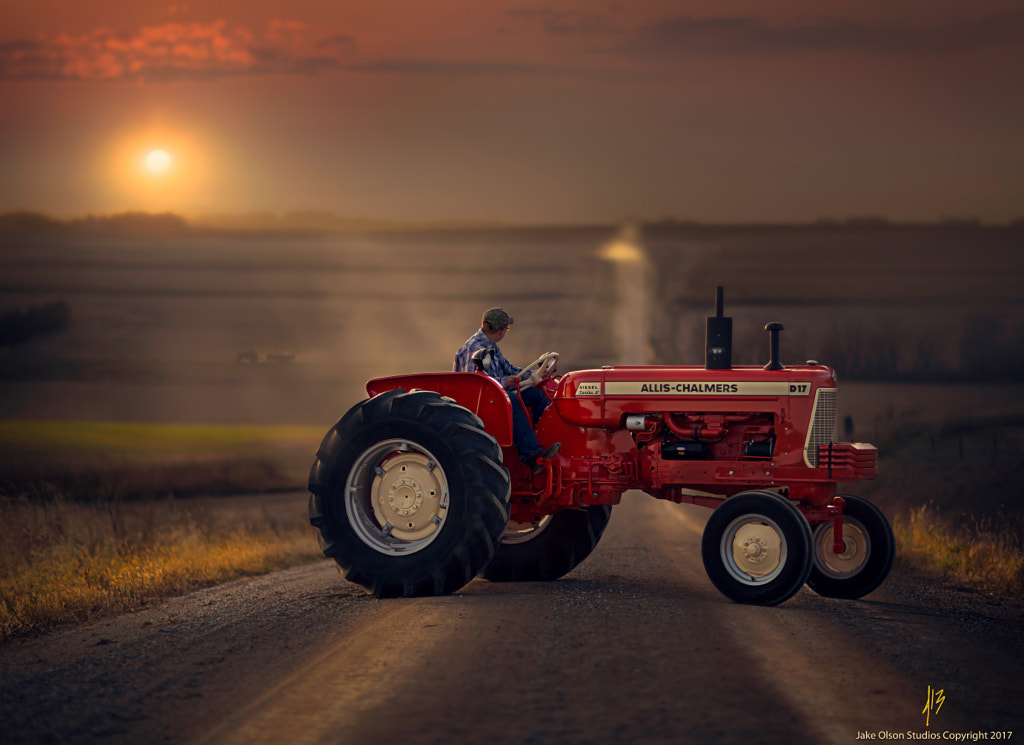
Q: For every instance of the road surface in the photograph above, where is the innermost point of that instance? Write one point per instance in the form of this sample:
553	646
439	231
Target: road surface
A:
634	646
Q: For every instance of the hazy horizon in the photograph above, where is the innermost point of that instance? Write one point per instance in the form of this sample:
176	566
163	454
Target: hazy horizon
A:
327	221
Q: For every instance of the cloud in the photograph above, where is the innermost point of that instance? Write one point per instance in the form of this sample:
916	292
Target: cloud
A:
213	51
344	44
560	22
462	68
685	35
168	52
26	60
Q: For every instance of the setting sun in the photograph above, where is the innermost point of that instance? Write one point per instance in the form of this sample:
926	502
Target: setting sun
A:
158	162
161	167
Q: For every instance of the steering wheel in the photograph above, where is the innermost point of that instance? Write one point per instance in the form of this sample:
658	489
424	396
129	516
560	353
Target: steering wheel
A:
541	368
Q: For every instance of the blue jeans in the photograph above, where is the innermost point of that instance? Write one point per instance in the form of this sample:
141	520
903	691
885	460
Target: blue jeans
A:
522	429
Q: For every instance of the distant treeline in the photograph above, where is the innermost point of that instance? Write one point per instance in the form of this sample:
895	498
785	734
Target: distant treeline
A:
127	223
320	222
20	326
168	223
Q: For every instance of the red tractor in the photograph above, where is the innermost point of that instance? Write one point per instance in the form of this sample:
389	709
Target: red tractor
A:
418	488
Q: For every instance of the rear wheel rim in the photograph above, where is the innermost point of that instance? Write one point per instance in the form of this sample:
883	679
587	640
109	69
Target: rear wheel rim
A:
523	532
396	497
753	549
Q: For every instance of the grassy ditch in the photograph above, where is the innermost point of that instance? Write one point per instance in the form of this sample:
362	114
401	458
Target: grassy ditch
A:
63	561
978	555
953	492
105	518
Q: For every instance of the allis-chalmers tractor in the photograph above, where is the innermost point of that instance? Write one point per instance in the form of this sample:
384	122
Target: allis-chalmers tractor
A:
418	489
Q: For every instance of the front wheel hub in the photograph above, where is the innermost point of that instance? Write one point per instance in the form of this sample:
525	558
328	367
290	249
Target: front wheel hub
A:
754	549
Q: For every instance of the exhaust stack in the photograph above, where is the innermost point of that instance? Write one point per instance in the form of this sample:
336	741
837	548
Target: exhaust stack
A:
774	363
718	338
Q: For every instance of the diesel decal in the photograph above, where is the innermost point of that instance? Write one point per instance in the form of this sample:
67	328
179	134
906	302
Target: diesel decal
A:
588	388
706	388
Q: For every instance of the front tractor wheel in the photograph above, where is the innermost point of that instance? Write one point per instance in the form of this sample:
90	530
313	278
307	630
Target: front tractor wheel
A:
867	556
757	548
408	494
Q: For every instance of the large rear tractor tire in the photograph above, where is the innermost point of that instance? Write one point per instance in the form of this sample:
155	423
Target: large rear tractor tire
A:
870	548
757	548
408	494
549	549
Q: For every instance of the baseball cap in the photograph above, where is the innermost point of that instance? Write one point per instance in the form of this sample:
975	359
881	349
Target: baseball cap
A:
497	318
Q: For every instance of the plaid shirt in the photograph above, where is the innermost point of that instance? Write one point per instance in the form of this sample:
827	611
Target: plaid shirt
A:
500	367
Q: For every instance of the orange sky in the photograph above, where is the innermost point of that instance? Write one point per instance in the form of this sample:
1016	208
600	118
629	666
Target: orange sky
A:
519	111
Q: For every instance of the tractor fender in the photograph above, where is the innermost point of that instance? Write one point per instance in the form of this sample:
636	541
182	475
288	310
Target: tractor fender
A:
478	392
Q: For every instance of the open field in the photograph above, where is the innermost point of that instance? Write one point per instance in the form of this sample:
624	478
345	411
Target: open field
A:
876	302
236	329
89	461
281	330
198	365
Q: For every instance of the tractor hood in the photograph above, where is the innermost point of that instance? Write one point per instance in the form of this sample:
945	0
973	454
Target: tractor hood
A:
604	397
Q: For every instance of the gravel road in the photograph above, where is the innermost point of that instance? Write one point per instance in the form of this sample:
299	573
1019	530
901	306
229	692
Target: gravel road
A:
635	645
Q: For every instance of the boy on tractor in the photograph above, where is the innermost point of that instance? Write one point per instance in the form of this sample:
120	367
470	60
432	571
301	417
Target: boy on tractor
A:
481	352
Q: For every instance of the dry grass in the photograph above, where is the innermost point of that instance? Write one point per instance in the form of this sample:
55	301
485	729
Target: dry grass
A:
104	518
62	561
980	557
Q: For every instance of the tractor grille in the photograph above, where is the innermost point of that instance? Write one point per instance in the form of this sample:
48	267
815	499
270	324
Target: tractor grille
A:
823	424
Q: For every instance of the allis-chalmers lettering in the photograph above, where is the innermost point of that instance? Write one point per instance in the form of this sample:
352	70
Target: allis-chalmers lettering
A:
706	388
689	388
